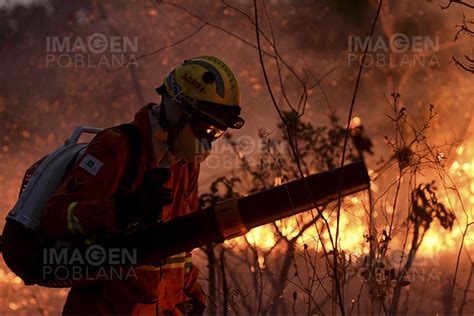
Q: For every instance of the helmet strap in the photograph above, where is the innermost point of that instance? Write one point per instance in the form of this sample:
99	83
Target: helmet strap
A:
171	130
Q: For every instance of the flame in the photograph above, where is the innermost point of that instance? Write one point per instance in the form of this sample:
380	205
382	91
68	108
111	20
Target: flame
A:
355	122
460	200
352	228
353	223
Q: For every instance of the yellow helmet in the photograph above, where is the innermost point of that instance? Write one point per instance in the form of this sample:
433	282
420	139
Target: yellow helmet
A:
206	86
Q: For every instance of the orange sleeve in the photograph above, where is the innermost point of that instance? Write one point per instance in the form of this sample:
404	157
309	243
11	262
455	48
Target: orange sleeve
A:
192	288
192	190
86	195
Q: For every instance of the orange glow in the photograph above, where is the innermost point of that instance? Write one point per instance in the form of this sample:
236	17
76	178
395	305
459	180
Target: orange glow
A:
354	219
461	173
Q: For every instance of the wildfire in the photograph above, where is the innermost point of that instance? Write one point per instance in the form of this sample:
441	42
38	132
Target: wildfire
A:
459	198
353	225
352	228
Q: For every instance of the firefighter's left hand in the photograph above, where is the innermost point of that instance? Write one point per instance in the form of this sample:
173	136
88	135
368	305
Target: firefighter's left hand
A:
145	204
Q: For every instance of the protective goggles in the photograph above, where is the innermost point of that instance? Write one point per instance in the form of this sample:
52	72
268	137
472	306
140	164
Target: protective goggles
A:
205	130
218	115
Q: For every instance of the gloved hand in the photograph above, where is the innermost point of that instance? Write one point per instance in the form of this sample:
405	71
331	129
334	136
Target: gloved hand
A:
191	307
145	204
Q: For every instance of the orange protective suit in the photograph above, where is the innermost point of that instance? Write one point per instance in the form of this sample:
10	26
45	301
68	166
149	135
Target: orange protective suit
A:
88	198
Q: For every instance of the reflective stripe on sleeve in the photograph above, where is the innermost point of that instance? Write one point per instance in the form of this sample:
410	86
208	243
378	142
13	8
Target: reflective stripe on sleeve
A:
179	261
72	222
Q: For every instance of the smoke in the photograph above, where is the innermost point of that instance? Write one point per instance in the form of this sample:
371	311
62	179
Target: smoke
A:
42	100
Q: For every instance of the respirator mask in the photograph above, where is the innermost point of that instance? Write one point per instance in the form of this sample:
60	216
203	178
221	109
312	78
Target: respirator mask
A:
190	134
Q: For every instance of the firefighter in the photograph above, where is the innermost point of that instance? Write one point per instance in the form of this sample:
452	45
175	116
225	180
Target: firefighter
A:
199	102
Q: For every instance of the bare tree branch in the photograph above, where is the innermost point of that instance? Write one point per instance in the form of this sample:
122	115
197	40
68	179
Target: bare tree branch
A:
460	2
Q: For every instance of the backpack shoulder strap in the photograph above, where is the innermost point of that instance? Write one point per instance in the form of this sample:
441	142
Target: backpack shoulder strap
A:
134	139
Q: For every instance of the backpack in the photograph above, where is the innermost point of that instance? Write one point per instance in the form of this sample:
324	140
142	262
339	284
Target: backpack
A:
22	242
43	178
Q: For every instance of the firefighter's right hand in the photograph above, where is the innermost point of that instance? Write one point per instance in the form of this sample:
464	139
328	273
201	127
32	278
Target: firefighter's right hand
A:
145	204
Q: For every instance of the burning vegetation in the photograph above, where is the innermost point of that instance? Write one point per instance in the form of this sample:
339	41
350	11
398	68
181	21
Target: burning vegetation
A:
405	246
